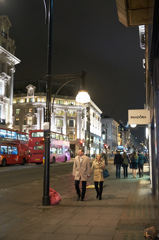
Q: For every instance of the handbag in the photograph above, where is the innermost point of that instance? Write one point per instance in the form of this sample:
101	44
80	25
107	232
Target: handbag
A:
106	173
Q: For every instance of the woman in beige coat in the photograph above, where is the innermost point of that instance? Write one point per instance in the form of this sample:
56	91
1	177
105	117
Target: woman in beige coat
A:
98	165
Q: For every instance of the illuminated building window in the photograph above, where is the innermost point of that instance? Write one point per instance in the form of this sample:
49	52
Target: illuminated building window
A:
17	111
30	120
71	135
71	102
30	110
59	122
30	99
17	100
17	121
71	114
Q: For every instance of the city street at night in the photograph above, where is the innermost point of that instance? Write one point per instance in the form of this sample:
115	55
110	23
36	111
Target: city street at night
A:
125	211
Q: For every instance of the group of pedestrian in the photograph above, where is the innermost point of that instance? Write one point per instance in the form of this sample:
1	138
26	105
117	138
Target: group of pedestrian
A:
82	171
135	160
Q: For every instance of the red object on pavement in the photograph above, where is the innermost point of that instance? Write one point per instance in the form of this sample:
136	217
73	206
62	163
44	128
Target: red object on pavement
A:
55	197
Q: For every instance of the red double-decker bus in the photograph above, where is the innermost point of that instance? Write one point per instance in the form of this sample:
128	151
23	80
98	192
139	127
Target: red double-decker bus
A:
59	147
13	147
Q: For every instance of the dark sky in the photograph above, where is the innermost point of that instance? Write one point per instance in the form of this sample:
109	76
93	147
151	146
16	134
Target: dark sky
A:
86	36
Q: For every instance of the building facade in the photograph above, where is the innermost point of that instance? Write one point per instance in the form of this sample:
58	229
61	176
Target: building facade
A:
7	70
81	122
109	133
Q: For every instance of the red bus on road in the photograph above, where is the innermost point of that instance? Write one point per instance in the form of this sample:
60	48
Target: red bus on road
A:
59	147
13	147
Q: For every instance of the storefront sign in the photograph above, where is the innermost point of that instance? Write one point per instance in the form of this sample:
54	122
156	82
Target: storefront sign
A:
138	116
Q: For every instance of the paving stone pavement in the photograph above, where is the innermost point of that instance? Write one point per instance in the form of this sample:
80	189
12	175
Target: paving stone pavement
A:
126	209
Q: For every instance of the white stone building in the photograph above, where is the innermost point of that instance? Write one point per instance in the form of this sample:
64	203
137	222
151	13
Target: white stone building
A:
78	121
110	133
7	69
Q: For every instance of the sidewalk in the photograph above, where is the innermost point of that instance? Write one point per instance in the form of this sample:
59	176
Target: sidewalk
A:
127	208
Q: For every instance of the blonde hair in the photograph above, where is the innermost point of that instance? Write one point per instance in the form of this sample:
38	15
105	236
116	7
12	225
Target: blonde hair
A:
98	155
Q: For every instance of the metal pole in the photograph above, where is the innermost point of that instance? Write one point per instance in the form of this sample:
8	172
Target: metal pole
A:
46	198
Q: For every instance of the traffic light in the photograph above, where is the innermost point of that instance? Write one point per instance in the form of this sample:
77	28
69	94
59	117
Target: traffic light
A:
81	142
105	146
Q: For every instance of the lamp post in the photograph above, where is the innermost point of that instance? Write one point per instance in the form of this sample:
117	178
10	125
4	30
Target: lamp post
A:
48	21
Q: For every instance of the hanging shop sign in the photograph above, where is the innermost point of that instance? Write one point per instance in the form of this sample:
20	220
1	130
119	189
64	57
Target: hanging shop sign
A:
138	116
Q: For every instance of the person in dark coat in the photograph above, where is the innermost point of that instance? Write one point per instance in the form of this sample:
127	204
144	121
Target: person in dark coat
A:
141	160
118	162
134	161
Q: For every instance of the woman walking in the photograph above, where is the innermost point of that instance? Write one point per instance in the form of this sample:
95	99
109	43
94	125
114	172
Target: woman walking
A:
134	161
125	164
98	165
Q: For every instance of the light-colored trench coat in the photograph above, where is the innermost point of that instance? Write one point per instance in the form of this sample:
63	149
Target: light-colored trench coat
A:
81	169
98	170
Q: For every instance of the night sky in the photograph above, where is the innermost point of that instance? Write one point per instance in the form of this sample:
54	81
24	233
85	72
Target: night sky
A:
87	35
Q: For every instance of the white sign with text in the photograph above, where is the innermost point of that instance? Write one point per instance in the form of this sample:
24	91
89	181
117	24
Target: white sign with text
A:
138	116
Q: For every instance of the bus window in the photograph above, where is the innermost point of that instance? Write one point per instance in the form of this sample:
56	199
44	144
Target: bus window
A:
38	147
59	151
14	135
19	137
3	133
37	134
9	150
57	136
3	149
61	137
23	137
53	135
14	150
9	134
53	150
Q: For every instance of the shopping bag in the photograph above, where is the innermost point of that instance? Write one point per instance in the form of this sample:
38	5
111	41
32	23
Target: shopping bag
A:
55	197
106	173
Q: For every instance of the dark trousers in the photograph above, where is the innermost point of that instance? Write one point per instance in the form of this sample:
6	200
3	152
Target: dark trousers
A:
78	189
118	167
125	168
100	189
140	166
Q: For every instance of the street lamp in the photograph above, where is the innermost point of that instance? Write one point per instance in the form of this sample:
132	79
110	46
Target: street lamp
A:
47	122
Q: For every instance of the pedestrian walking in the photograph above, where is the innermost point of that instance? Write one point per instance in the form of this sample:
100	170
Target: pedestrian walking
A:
98	166
118	162
125	164
141	160
134	161
81	171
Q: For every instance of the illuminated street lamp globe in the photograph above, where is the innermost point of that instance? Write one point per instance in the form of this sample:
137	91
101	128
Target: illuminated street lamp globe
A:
83	97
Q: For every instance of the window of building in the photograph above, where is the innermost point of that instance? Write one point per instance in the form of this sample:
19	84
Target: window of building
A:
17	121
17	100
1	88
71	123
71	114
71	102
25	121
30	110
59	122
17	111
30	99
0	111
71	135
30	120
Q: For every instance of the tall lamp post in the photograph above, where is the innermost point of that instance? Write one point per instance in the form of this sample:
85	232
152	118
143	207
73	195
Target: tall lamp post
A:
48	21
